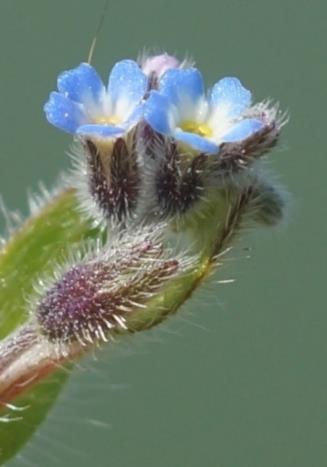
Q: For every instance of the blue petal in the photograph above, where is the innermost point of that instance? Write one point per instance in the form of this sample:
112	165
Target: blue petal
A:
64	113
230	92
100	131
135	117
81	83
196	142
242	130
127	80
157	113
178	84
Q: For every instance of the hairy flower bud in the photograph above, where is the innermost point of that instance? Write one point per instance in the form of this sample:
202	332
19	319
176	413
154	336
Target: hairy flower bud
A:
269	202
95	297
178	181
112	178
155	66
159	64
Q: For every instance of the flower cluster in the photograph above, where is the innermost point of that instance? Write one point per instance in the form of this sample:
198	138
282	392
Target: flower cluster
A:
179	108
157	109
168	171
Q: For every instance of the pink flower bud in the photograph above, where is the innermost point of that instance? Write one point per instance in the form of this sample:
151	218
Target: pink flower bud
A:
158	64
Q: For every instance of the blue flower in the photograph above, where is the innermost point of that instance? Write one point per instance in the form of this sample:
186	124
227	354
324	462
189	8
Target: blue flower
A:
84	106
181	109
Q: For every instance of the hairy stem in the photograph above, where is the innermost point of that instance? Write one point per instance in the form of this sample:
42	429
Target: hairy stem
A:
26	357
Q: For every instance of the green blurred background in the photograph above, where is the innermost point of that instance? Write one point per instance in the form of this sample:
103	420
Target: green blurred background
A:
239	378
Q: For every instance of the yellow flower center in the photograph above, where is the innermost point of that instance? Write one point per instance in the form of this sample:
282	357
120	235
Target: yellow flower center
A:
200	129
112	120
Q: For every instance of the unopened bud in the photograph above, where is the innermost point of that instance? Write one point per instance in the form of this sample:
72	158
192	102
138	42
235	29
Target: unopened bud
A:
179	181
112	178
159	64
270	203
95	298
155	66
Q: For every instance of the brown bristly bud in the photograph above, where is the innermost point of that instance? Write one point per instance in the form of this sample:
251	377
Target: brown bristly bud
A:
108	178
173	181
178	181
